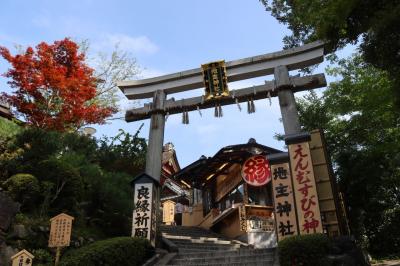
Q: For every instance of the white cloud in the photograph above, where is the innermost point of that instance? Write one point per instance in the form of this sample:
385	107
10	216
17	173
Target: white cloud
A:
138	44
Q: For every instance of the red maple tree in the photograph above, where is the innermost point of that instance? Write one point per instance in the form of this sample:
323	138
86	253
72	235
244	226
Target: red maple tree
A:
55	89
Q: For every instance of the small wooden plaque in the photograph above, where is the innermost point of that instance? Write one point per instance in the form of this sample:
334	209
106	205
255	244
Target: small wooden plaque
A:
60	230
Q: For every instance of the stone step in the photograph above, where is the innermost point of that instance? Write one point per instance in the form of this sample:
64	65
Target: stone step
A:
209	247
200	237
221	259
198	246
241	251
201	241
202	250
266	262
180	230
197	235
183	229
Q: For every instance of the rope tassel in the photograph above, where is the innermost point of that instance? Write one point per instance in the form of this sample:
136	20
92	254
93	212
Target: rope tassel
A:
198	109
216	110
238	104
251	108
269	98
220	114
185	117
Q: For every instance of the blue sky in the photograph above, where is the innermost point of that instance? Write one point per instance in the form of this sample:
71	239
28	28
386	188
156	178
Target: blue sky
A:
165	37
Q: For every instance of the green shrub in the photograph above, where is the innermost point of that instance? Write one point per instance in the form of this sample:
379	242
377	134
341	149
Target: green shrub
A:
114	251
304	250
8	128
43	257
23	188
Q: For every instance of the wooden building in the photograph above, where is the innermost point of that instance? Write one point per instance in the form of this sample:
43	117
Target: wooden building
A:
222	201
172	191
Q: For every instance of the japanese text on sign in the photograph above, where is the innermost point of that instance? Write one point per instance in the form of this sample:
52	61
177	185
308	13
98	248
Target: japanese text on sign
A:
142	210
22	258
242	218
256	223
60	230
215	81
285	214
305	189
256	171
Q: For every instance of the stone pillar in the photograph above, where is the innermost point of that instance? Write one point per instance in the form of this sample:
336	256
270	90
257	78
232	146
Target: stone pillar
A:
287	103
156	136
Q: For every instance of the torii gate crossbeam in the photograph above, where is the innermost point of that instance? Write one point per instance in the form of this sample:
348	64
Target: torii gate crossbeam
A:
283	86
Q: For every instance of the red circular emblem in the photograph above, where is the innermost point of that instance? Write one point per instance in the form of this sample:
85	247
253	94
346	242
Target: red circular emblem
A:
256	171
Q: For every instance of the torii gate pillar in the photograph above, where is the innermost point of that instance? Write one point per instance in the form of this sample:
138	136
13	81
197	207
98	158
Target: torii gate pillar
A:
156	136
287	103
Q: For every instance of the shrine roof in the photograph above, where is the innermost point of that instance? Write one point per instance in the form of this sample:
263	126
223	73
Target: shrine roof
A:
5	110
198	171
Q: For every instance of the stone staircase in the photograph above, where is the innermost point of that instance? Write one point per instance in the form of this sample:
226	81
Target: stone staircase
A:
198	246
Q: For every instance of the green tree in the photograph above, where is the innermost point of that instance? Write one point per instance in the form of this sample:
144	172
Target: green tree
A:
80	175
124	152
109	69
373	24
362	127
23	188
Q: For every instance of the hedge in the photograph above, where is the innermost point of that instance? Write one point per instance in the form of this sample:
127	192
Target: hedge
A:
114	251
305	250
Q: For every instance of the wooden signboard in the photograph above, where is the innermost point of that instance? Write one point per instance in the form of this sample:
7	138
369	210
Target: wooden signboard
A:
260	224
284	206
143	201
259	218
256	171
242	218
168	212
305	190
60	230
215	81
325	184
22	258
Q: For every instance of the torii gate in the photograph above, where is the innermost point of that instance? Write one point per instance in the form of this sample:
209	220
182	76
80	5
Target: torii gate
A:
284	86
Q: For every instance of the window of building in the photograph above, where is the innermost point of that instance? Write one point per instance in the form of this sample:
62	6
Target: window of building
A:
260	195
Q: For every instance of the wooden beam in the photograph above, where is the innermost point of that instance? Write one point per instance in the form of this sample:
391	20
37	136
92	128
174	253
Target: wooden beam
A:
246	68
256	92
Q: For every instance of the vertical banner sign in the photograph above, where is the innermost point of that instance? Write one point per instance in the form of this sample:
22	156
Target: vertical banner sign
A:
168	212
305	190
154	215
242	218
142	214
284	207
60	230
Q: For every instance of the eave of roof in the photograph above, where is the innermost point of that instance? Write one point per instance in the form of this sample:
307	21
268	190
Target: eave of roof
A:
196	172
